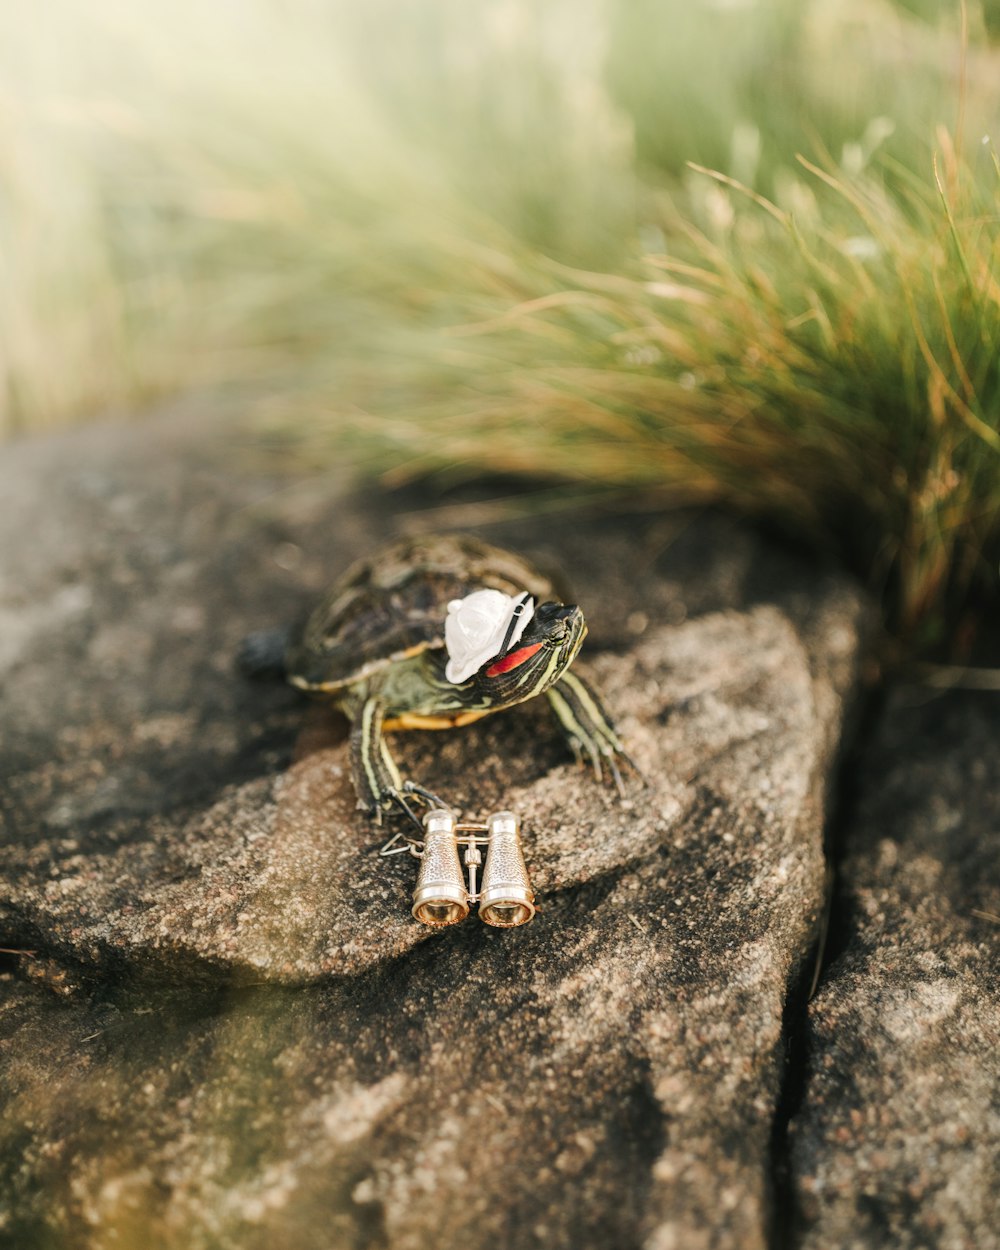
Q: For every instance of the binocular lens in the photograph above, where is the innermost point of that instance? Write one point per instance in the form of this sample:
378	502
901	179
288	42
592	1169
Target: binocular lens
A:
506	915
440	911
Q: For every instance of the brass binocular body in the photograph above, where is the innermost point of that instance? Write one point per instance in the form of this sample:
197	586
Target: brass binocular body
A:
445	891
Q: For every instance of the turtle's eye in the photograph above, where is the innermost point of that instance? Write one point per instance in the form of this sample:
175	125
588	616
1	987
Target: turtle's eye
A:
515	658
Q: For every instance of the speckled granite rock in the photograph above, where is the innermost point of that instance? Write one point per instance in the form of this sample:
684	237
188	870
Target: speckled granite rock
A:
898	1139
182	849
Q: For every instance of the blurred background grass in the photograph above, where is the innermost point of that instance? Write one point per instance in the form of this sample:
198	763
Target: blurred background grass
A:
735	251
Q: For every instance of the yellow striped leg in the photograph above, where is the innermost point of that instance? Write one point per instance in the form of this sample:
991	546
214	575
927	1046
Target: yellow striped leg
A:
588	728
377	781
376	777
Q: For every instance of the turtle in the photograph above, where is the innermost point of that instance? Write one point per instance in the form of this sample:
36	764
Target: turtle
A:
386	645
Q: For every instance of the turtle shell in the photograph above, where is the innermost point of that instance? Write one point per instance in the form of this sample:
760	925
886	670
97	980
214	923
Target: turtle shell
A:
393	605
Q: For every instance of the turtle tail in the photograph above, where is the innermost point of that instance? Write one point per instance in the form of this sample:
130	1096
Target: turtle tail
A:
261	656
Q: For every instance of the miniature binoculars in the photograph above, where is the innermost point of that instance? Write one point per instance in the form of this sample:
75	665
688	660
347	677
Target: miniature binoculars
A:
444	893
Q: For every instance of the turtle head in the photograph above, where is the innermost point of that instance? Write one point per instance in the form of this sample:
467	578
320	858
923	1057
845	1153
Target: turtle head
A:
540	656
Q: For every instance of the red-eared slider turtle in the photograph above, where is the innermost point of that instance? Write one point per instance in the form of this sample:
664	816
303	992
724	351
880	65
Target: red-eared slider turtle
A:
434	633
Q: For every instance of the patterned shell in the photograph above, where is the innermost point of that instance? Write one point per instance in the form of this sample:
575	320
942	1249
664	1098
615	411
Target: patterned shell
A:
393	604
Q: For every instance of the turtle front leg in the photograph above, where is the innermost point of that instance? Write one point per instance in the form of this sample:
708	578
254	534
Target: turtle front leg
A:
587	728
376	778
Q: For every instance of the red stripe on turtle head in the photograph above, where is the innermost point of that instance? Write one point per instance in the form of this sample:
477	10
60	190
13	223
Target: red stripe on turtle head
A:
513	660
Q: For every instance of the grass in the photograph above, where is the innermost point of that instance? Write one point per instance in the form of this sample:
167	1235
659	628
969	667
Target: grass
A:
832	365
734	253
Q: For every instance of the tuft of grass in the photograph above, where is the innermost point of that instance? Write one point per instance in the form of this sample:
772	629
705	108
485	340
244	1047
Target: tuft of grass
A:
828	360
574	240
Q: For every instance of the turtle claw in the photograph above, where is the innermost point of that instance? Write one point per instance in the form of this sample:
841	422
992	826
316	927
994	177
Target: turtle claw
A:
608	763
643	779
427	796
608	766
616	773
396	797
401	800
615	761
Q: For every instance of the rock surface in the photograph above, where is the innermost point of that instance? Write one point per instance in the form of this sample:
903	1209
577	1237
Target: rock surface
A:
897	1142
257	1047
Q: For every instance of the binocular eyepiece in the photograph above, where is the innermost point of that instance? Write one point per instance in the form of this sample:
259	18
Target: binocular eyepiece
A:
443	894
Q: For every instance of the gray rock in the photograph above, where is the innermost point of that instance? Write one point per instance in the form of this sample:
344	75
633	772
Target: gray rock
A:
897	1142
182	850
